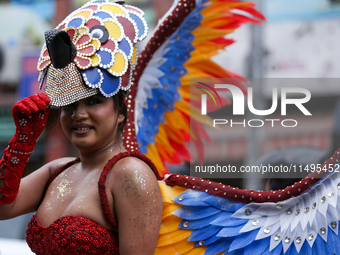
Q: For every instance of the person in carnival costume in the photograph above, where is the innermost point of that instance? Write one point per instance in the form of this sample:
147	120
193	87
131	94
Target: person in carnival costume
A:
108	200
78	201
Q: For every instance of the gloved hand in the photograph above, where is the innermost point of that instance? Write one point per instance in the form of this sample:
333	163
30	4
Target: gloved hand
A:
30	116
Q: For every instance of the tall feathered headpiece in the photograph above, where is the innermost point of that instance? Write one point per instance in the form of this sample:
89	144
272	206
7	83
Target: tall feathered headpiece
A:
96	46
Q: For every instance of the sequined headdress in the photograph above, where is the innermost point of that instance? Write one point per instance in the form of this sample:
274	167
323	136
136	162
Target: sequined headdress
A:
93	49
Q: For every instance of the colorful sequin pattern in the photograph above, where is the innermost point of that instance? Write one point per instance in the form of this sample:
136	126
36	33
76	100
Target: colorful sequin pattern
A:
71	235
105	36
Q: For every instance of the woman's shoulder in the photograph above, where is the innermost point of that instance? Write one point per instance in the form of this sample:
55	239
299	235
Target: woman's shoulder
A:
132	168
133	176
131	164
57	164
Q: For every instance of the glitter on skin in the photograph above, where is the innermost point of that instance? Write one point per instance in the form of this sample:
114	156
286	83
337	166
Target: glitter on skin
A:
48	206
64	188
137	183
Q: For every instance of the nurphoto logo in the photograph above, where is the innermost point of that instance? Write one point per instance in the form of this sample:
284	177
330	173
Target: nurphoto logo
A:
238	104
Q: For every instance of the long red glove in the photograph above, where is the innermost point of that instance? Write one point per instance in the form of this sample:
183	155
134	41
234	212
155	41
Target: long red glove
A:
30	116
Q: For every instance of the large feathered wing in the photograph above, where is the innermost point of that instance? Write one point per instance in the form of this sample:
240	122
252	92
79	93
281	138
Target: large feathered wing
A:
181	48
203	217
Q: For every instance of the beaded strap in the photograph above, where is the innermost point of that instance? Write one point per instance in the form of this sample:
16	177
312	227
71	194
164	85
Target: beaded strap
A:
101	184
248	196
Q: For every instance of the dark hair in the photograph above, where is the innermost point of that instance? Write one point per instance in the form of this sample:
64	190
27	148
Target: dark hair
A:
120	106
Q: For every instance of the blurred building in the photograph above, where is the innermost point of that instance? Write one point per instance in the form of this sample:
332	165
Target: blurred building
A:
300	41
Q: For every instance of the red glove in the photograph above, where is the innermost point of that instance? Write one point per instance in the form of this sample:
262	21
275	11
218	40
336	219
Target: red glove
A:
30	116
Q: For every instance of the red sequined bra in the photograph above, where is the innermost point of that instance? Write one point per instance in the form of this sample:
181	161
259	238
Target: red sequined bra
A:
77	235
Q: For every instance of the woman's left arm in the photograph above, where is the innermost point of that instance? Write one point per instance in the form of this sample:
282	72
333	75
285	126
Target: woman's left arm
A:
138	206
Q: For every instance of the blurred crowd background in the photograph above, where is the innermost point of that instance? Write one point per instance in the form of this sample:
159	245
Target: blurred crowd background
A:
300	39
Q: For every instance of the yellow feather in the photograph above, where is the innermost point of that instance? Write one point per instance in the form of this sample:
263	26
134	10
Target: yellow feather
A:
183	106
184	91
162	138
166	154
173	237
176	248
205	34
153	154
204	119
214	15
174	134
169	192
176	120
169	209
196	251
170	224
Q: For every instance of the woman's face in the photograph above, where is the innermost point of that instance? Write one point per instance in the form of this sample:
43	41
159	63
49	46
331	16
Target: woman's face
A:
91	123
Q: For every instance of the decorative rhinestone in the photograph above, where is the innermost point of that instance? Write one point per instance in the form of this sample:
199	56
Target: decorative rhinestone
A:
181	198
15	160
330	194
322	231
255	222
186	224
277	237
310	237
323	199
266	230
306	209
287	239
201	243
247	211
298	240
339	185
289	211
333	224
314	205
297	212
279	207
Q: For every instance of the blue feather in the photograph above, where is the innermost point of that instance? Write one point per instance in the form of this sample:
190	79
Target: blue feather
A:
292	250
230	231
305	249
198	224
195	212
319	246
224	204
257	247
217	247
237	252
204	233
243	240
225	221
278	250
192	198
178	52
333	241
212	240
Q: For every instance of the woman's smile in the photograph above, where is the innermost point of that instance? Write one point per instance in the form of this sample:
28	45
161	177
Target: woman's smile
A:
82	128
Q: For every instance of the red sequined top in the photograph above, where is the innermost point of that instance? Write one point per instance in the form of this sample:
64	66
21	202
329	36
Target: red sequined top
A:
77	235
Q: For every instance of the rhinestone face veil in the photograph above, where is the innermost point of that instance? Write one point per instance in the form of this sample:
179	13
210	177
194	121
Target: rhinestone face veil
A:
92	51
